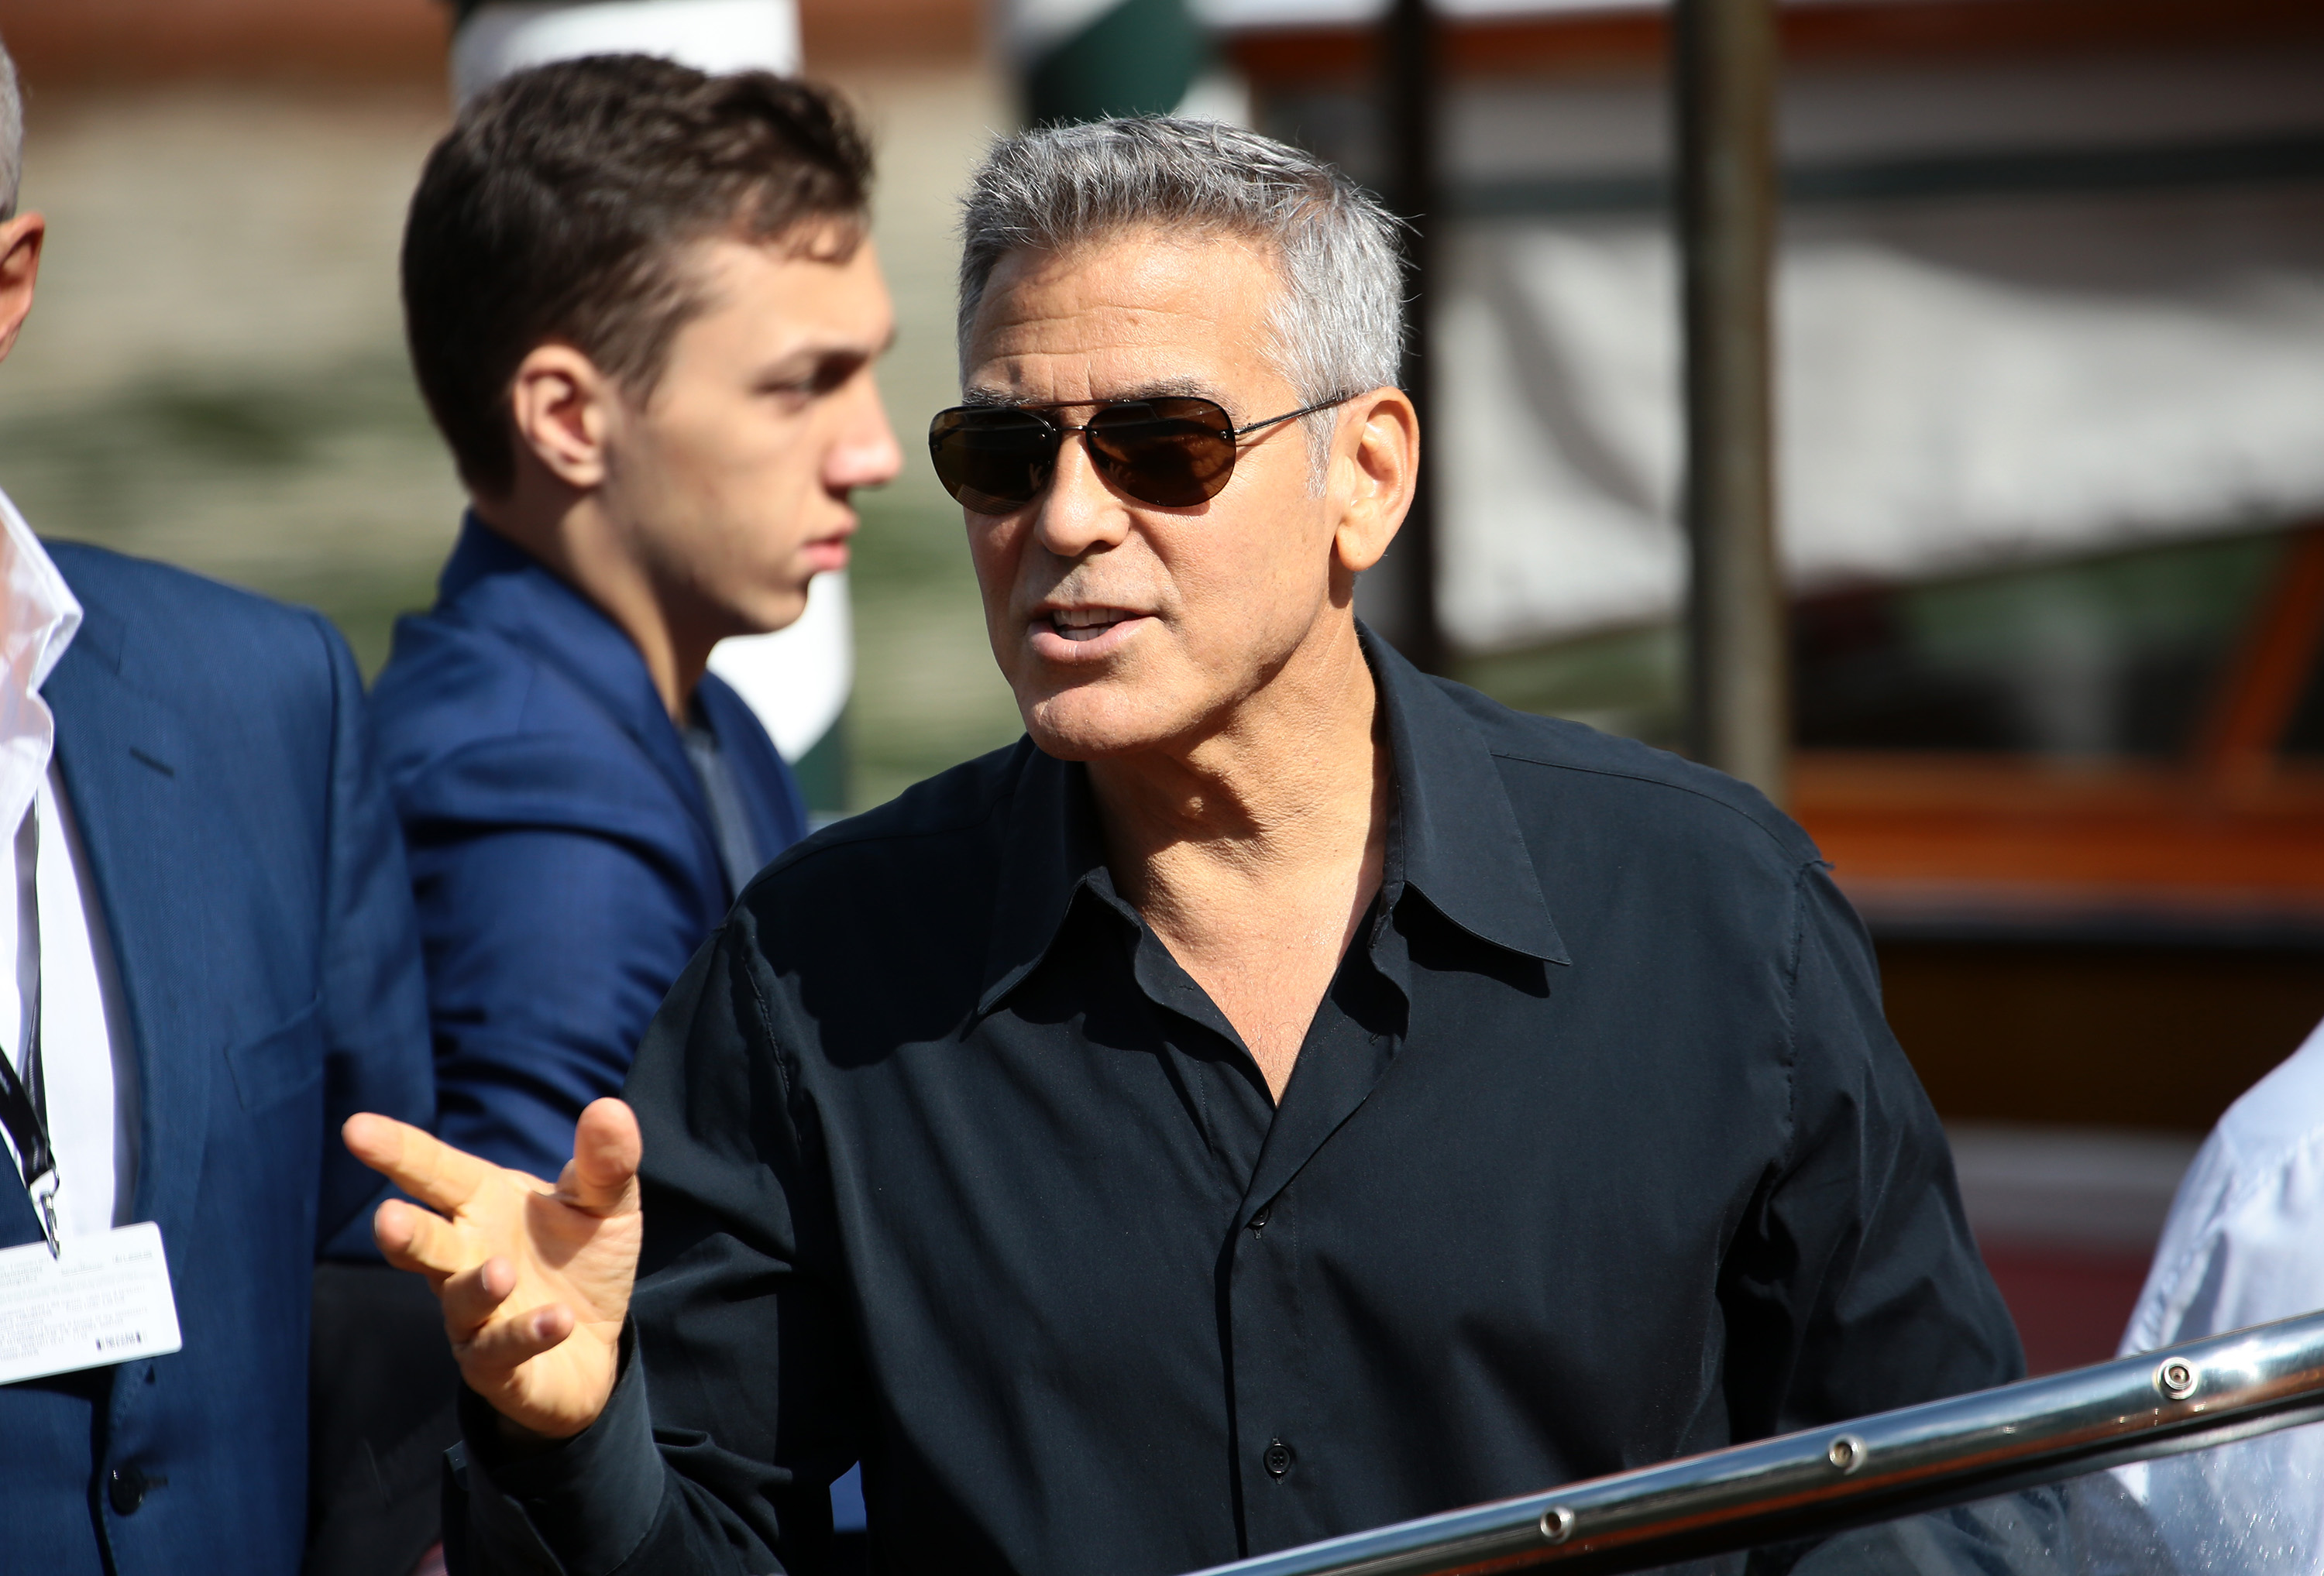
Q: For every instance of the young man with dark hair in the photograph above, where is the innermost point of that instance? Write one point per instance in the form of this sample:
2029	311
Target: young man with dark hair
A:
644	310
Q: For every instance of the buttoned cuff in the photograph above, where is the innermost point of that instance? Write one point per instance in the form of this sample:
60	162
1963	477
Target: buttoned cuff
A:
578	1508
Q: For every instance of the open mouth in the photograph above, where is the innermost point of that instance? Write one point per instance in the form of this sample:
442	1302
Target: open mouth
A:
1086	623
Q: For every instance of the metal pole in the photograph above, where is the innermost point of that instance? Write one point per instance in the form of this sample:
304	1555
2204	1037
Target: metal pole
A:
1411	66
1892	1464
1723	60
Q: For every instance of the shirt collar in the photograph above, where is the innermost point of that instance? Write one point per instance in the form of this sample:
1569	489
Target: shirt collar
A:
39	615
1462	848
42	614
1051	848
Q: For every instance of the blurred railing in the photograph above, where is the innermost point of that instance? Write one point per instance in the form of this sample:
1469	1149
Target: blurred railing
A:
1892	1464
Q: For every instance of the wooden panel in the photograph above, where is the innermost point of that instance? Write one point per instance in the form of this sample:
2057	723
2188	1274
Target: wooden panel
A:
1901	32
1920	30
2121	1037
841	33
2271	674
79	42
1983	828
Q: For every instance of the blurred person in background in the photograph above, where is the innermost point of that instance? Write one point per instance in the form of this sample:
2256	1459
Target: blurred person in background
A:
643	310
2244	1245
213	959
795	680
1282	1093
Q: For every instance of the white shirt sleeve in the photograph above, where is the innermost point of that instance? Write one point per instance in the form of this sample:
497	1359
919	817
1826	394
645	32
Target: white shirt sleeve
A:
2243	1246
2245	1242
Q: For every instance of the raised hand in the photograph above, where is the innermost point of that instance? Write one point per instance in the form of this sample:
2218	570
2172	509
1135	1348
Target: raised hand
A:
535	1282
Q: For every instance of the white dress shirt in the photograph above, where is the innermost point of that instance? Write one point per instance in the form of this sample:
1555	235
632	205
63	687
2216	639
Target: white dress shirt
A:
2244	1245
89	1068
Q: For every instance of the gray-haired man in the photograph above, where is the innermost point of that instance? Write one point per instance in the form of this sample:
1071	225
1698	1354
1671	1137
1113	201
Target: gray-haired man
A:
1282	1094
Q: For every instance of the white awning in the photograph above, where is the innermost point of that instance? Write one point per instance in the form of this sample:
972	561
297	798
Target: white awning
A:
1952	398
2027	310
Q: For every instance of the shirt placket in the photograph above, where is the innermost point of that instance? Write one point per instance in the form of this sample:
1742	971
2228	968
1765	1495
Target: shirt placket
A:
1280	1467
1284	1463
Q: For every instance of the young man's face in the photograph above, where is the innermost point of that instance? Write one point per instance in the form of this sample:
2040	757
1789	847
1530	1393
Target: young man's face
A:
731	479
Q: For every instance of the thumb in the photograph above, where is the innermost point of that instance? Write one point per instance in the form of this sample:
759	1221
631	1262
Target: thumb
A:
601	1176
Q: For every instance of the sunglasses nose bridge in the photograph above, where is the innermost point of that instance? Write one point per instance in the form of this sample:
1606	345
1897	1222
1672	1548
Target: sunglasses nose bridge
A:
1079	507
1093	462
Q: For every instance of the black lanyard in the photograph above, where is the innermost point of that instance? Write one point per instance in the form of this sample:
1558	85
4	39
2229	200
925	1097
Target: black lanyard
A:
21	1107
19	1113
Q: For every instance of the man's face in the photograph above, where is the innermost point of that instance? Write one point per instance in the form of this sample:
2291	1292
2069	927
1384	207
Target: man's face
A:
732	477
1124	625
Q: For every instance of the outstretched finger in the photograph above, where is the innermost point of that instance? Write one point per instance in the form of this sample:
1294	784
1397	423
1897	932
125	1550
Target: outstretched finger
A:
425	1167
413	1238
498	1350
473	1295
602	1175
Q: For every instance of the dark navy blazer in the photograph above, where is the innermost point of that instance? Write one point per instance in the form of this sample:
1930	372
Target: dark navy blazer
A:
212	745
561	848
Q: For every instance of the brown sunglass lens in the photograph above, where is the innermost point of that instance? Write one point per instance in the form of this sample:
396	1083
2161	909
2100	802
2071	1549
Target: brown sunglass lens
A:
1176	452
992	460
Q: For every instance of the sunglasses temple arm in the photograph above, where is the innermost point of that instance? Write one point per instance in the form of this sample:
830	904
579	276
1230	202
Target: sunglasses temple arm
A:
1242	432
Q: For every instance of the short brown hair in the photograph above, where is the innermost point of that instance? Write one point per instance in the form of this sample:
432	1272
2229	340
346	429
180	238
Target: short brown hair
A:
558	205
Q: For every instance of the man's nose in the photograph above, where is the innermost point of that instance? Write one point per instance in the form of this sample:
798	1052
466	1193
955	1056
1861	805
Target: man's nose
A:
866	454
1077	511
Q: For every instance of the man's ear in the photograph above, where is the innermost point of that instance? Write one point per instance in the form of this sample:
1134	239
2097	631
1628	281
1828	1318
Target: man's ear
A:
564	411
1377	465
20	270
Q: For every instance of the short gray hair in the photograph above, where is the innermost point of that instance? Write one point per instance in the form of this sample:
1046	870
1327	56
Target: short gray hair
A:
1338	325
11	135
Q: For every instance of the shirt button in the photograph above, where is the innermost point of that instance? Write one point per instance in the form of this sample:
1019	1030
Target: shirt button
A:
1275	1458
1258	1220
126	1490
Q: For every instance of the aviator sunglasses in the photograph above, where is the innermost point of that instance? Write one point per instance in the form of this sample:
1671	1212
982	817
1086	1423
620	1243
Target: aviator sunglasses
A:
1173	451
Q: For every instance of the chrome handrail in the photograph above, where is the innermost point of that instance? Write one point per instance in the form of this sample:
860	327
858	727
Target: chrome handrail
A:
1889	1464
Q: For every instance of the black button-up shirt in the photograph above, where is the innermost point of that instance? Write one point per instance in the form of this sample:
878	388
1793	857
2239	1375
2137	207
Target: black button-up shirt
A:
1598	1152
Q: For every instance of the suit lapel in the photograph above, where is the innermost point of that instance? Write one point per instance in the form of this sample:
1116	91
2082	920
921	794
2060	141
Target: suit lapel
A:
120	755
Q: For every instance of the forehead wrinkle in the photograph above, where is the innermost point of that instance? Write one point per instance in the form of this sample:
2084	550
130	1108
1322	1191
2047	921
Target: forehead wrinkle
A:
1142	389
1097	284
1102	329
1117	323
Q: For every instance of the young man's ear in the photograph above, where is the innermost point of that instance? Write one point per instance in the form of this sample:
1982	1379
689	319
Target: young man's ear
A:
20	271
564	408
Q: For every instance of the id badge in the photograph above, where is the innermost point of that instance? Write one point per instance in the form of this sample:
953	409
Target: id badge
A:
98	1300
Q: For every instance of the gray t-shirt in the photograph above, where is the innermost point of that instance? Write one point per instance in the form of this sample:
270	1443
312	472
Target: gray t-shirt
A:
730	822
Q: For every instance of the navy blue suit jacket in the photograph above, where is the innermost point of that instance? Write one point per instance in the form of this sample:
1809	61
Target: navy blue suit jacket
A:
562	853
212	748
